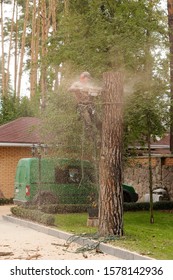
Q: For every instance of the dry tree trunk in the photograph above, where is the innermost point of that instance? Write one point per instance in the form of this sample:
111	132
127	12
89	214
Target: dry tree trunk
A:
23	47
53	9
33	72
170	25
54	27
110	166
37	45
2	50
49	15
10	47
15	51
66	6
44	33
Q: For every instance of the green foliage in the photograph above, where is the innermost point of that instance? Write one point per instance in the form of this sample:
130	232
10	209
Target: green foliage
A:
144	206
64	208
119	35
100	36
81	208
34	215
146	112
12	108
4	201
62	126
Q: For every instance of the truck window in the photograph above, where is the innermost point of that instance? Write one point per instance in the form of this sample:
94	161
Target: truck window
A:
69	175
61	176
74	175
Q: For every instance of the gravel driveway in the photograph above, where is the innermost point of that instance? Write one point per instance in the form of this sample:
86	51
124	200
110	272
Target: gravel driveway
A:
18	242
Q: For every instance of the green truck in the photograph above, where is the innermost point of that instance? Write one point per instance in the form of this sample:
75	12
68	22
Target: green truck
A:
71	180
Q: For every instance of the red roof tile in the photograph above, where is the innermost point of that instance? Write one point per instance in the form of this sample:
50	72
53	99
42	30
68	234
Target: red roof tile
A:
163	141
22	130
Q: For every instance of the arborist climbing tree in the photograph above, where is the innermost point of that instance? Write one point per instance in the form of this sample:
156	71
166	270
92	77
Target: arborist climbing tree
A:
85	92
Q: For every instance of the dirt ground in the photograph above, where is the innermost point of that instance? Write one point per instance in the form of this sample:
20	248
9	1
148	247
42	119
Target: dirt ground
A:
18	242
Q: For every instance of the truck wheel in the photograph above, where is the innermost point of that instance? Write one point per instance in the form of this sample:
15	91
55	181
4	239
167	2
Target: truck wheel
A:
126	197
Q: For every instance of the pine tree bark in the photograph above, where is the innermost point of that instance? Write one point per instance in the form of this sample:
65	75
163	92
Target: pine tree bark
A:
16	51
2	51
110	166
44	32
34	54
66	6
10	46
54	11
170	25
23	48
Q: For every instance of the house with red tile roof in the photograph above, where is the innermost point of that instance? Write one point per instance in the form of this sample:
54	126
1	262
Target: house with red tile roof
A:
158	147
18	137
162	146
16	141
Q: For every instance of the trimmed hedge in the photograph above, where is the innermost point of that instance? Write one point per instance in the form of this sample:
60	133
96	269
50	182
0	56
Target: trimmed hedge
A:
64	208
4	201
34	215
79	208
45	213
145	206
58	208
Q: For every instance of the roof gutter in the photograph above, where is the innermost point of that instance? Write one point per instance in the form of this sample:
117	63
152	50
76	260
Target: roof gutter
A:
152	147
6	144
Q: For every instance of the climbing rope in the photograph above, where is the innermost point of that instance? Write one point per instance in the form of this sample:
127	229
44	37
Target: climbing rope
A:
90	247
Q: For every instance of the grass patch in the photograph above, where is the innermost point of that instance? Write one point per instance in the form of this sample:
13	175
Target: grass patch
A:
74	223
154	240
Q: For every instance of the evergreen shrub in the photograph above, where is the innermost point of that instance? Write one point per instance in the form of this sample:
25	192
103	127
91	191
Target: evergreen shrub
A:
145	206
34	215
64	208
4	201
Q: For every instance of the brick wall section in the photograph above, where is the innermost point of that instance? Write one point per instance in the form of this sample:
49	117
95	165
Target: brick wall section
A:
168	161
9	157
135	171
136	174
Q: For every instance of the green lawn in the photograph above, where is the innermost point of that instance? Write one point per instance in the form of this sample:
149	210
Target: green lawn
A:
154	240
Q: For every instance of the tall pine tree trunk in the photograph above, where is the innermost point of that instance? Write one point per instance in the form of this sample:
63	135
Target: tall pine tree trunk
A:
170	25
54	11
53	6
66	6
37	46
23	47
44	31
2	51
16	51
110	166
10	46
34	57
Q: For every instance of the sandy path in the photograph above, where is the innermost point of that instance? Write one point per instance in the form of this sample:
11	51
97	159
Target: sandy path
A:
18	242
